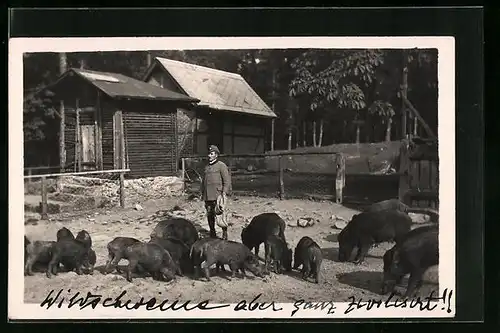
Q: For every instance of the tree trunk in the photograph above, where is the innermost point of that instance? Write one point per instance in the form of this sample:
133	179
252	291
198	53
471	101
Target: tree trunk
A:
304	123
290	139
344	132
415	126
388	130
254	64
368	126
404	93
62	149
274	109
82	63
272	134
296	141
320	132
63	63
314	134
357	133
358	127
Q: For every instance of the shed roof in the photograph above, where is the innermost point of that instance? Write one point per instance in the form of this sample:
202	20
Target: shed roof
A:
118	85
214	88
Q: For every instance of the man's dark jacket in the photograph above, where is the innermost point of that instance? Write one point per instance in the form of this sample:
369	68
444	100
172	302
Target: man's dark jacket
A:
216	180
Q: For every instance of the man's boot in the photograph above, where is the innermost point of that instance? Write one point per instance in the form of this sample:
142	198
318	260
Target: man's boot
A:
211	225
224	233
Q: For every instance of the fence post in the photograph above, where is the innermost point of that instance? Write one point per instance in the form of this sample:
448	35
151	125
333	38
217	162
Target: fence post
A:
183	169
183	173
281	184
340	177
122	189
29	174
44	214
78	152
27	183
272	134
404	179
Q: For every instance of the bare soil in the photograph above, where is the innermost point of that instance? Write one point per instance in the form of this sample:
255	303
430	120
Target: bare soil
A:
339	280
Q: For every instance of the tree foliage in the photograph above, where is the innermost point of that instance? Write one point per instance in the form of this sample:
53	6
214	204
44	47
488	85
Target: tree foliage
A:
341	81
334	86
39	70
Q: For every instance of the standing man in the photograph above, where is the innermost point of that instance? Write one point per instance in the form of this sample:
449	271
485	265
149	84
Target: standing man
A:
216	182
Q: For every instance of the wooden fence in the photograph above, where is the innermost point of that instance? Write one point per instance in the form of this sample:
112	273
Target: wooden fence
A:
416	182
419	181
271	174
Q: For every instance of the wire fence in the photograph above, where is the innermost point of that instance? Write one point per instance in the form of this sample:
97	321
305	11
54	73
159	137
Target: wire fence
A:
73	194
324	176
52	193
298	175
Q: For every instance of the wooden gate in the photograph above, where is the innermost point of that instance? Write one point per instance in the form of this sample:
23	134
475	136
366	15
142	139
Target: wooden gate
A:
80	140
88	147
419	168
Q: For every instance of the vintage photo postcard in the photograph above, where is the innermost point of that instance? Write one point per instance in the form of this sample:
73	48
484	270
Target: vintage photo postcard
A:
232	178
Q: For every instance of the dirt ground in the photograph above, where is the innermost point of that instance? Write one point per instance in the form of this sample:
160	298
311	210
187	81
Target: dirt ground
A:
340	280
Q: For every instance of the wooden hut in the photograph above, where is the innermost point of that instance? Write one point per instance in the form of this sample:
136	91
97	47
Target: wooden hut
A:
113	122
230	113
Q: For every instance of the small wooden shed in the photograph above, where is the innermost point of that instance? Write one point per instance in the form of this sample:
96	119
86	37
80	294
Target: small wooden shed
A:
113	122
230	113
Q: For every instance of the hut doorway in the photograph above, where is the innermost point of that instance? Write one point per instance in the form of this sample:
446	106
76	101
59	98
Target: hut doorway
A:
88	147
81	146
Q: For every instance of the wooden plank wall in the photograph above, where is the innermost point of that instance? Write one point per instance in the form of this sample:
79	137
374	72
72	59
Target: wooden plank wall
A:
118	143
69	138
151	143
419	174
424	177
241	134
108	111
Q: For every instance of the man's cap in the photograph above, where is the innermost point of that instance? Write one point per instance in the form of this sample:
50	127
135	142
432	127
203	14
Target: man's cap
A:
214	149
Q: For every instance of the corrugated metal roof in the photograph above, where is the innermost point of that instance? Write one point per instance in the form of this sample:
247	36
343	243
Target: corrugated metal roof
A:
118	85
216	89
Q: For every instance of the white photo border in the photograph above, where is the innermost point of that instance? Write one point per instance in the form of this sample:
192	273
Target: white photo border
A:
18	310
